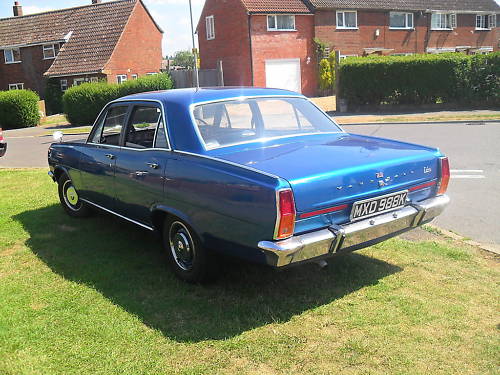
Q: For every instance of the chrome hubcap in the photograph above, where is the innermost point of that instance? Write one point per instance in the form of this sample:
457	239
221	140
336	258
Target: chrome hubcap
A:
181	246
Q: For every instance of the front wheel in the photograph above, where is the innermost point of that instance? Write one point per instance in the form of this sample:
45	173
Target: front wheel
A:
189	260
69	198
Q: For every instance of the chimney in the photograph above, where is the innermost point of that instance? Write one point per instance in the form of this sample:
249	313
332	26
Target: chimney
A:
96	1
18	9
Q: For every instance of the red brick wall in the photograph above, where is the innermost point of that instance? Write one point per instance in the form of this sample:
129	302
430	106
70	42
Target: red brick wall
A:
29	71
353	42
139	49
268	45
231	43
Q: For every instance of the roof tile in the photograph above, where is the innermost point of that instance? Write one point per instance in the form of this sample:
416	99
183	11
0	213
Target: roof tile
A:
276	6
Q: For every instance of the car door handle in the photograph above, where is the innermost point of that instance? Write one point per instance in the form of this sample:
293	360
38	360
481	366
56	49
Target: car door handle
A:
153	165
110	156
141	173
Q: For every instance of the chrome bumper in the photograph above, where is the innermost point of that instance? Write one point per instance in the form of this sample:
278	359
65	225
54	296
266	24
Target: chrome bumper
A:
348	237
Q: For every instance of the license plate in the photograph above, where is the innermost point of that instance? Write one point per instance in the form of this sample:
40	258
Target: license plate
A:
374	206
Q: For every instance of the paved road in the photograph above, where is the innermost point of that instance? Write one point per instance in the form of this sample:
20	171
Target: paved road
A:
474	152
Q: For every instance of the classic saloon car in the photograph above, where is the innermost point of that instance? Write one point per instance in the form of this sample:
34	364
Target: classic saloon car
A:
260	174
3	144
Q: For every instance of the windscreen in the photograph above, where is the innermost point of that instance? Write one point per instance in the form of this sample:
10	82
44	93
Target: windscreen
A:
231	122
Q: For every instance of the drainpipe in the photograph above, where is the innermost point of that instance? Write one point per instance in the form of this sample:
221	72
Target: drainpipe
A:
250	45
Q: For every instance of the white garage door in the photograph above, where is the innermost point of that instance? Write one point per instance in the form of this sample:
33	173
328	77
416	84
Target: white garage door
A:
284	74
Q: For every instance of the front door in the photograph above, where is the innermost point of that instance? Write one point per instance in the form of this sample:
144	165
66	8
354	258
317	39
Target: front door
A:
284	74
100	155
142	163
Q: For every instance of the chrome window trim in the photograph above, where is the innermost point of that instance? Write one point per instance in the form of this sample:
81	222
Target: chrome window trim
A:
169	147
117	214
241	98
228	162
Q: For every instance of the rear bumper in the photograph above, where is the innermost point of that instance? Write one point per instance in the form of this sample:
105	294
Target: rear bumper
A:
349	237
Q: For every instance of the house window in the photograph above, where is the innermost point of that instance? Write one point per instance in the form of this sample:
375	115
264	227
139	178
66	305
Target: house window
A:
281	23
64	84
347	19
16	86
12	55
151	73
134	76
443	21
486	21
94	80
210	27
50	51
78	81
120	78
399	20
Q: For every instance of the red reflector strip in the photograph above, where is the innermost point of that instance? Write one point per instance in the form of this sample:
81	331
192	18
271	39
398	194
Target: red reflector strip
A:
324	211
423	186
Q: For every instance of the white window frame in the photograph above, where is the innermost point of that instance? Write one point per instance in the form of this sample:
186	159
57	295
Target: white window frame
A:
408	16
134	77
210	27
450	21
16	86
78	81
12	54
486	21
49	47
152	73
275	28
343	12
121	78
63	84
94	79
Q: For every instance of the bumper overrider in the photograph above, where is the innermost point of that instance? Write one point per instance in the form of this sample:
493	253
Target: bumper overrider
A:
349	237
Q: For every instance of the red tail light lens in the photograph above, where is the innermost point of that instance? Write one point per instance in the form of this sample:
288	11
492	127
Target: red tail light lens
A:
445	176
1	135
285	222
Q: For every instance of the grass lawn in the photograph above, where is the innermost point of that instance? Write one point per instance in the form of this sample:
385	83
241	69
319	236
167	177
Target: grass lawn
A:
94	297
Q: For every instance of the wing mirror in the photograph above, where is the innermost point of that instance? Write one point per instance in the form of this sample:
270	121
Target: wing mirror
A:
58	136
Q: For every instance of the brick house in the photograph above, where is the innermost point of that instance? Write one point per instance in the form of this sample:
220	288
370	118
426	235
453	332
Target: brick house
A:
270	42
112	41
260	42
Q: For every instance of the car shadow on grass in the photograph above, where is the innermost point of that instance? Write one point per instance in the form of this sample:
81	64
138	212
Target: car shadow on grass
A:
127	265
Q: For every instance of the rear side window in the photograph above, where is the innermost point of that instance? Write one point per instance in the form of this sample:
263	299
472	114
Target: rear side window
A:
108	131
142	127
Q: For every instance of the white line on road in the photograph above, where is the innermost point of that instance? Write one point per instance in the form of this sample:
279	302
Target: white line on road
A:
471	176
466	171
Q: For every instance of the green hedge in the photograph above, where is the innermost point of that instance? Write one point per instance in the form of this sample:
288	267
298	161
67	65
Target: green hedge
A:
421	79
83	103
18	109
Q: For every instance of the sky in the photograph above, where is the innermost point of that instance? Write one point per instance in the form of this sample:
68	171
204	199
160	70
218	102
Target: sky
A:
171	15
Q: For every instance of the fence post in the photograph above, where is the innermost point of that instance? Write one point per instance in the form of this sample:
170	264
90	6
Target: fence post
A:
220	73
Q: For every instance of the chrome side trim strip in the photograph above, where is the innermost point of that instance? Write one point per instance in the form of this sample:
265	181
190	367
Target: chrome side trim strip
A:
116	214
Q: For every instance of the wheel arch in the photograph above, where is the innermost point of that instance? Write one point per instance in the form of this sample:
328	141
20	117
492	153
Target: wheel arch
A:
160	213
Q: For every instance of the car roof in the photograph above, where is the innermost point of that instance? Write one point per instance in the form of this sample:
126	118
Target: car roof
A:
207	94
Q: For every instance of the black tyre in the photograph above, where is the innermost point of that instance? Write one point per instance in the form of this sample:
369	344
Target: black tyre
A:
69	198
189	260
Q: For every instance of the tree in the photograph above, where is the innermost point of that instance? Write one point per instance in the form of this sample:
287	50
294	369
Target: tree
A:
184	59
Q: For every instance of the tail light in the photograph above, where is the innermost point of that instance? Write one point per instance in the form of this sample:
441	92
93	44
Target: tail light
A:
1	135
285	221
445	176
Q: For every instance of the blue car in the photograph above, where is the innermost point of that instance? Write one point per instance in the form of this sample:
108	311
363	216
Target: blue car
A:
259	174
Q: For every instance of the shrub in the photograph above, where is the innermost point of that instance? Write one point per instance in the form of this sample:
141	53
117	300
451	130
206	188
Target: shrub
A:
420	79
83	103
327	73
18	109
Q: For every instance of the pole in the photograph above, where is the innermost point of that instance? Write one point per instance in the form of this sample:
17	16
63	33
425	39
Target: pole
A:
195	53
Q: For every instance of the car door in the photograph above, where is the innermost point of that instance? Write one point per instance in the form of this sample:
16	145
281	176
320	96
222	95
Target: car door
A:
141	167
99	156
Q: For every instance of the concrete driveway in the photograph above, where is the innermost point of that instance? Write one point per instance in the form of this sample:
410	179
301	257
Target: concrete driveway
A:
473	150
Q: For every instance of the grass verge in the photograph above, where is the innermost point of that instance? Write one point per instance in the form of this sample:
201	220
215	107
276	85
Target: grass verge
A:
94	297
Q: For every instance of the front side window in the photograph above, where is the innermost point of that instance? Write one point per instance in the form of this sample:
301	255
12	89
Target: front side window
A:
50	51
120	78
281	22
231	122
141	130
399	20
12	55
486	21
443	21
16	86
210	26
347	20
109	129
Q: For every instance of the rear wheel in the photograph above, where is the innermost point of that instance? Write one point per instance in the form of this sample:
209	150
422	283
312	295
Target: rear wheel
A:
189	260
70	199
